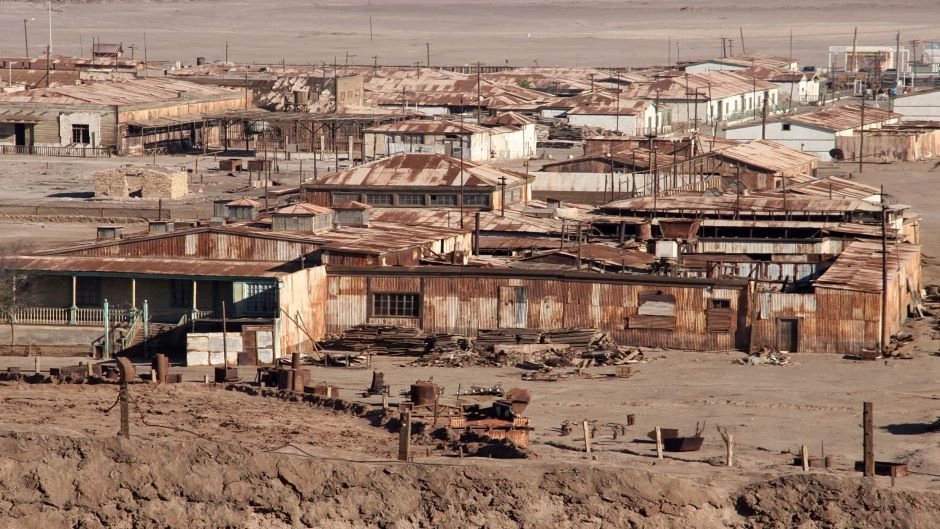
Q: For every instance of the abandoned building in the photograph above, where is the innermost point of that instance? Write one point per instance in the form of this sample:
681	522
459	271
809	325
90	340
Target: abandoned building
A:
103	118
473	142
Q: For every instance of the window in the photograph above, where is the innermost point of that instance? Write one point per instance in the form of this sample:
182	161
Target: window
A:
181	294
260	298
376	199
786	126
476	200
656	310
719	303
342	198
443	200
514	195
410	200
81	134
395	305
88	291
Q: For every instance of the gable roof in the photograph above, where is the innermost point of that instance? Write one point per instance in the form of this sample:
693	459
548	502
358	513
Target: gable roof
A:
419	170
767	155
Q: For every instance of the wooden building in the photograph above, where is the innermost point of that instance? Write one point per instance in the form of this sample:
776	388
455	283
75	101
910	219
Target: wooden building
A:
123	117
418	180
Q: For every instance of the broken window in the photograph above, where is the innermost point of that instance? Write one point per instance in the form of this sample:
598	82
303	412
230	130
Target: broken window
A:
443	200
81	134
657	310
395	305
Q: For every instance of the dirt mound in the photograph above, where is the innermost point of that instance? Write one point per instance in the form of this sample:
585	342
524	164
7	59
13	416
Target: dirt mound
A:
51	482
54	481
823	501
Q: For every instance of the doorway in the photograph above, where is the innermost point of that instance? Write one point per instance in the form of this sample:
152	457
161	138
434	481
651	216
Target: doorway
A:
788	334
23	133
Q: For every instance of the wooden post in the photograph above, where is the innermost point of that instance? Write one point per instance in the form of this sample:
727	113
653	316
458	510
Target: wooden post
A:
404	437
804	455
329	391
36	365
730	444
728	438
587	437
127	374
205	379
385	400
659	443
868	445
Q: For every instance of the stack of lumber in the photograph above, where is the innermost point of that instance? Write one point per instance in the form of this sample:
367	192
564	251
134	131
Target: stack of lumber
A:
487	339
383	339
582	338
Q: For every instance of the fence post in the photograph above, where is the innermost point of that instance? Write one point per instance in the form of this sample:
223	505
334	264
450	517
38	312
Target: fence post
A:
106	346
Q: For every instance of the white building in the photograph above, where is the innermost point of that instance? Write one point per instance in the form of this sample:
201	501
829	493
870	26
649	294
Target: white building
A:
920	106
815	132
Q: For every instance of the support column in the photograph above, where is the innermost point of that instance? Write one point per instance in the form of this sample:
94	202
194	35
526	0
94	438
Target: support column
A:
134	294
106	316
193	312
146	319
73	308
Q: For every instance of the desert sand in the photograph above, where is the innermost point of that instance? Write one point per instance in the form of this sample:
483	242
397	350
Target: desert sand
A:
518	32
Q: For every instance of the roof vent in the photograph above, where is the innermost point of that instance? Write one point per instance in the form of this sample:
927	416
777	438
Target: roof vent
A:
109	232
160	226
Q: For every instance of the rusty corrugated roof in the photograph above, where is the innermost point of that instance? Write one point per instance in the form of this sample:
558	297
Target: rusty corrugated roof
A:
420	169
154	266
859	266
303	208
768	155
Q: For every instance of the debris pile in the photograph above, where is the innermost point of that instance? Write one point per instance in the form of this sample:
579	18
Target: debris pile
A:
766	356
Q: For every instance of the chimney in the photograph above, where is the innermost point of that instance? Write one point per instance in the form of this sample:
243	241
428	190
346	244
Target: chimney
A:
160	226
109	232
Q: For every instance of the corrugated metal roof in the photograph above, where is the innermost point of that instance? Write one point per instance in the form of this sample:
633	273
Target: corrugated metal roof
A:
154	266
750	204
121	93
427	126
420	169
105	47
836	119
710	86
768	155
303	208
831	186
858	267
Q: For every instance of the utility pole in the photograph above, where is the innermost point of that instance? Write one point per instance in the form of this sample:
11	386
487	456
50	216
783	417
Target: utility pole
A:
741	31
428	46
460	139
763	121
375	65
26	35
897	59
226	52
854	49
479	92
370	29
861	136
884	273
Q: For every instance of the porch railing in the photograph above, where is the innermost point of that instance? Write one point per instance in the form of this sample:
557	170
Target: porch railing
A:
87	317
57	150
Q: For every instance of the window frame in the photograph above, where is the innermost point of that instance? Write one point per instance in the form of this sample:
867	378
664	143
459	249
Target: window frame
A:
388	199
478	200
433	200
395	305
403	201
84	133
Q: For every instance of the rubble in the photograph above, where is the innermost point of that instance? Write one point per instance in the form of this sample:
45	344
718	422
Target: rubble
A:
146	182
765	356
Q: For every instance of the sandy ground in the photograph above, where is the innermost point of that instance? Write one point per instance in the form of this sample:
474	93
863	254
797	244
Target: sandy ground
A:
771	410
519	32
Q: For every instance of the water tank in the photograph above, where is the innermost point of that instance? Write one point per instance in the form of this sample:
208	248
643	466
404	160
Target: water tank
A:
667	250
423	393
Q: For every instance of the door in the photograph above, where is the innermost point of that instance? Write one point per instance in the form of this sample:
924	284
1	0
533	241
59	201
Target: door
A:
788	334
23	133
513	307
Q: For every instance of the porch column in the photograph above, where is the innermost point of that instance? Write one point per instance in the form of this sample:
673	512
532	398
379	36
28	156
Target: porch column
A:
134	294
106	343
73	309
193	312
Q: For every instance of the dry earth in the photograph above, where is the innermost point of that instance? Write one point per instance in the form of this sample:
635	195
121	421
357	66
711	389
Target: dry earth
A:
520	32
